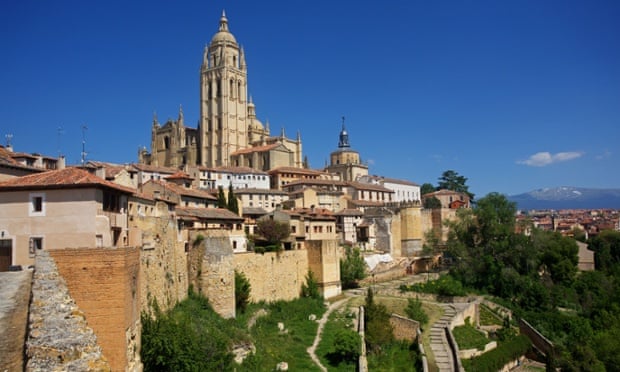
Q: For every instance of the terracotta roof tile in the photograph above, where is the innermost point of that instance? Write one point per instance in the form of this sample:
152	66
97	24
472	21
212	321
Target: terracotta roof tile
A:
208	214
66	178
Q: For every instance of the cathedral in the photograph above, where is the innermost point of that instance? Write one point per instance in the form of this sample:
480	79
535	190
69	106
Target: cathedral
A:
228	133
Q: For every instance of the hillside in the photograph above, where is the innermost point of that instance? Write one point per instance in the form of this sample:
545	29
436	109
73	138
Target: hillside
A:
568	197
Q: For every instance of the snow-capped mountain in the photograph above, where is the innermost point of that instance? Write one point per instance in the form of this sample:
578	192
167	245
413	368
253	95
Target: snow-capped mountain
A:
568	197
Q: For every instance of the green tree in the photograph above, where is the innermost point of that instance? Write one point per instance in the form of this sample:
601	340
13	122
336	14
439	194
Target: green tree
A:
378	331
432	203
243	290
414	311
232	203
427	188
352	268
273	231
221	198
451	180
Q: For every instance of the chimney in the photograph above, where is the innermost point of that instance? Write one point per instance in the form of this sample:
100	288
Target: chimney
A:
61	163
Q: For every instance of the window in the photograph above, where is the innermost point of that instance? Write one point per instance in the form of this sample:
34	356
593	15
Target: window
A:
37	204
35	244
294	229
99	241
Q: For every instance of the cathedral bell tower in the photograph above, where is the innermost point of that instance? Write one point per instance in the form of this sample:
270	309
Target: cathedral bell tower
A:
223	104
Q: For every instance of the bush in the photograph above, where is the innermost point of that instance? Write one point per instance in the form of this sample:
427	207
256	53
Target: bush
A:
444	286
414	311
352	268
346	348
243	290
495	359
311	287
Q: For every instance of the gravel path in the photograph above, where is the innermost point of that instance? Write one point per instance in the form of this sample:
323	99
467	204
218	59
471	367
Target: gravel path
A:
311	350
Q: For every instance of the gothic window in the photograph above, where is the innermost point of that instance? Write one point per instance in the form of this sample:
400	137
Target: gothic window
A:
232	89
239	90
219	88
235	61
209	90
166	142
219	123
209	125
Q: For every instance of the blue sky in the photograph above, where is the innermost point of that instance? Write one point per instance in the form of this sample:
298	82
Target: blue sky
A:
514	95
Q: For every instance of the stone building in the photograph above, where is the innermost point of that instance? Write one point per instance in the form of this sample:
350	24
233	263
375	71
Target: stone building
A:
228	133
345	161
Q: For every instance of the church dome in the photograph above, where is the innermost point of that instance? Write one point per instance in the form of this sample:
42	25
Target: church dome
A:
223	35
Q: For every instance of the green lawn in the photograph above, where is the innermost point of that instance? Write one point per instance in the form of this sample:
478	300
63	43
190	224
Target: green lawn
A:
468	337
488	317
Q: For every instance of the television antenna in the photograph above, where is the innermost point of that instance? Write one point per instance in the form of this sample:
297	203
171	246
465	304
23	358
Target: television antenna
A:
60	133
84	128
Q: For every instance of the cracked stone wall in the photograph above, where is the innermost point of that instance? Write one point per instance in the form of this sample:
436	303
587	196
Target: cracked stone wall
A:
59	337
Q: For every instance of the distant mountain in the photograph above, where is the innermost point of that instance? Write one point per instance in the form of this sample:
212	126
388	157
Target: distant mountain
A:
567	197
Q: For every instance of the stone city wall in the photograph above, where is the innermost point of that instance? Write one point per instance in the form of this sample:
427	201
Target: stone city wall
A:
324	262
163	261
404	328
274	276
212	271
105	283
59	337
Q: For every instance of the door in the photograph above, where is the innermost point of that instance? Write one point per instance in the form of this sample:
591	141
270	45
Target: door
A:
6	254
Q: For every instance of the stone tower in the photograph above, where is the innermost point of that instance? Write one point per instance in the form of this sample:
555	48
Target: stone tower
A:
223	105
345	161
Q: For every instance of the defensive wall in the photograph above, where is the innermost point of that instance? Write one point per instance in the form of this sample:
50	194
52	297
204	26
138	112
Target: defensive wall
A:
273	276
324	262
59	338
163	261
104	282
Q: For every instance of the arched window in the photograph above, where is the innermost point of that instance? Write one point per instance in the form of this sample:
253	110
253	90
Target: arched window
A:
166	142
239	90
232	89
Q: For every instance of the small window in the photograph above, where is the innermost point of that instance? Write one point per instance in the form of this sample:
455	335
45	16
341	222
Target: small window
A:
36	244
37	204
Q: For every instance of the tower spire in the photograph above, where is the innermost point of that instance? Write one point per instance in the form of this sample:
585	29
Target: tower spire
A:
344	136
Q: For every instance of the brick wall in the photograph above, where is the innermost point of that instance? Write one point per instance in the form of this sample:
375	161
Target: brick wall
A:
105	284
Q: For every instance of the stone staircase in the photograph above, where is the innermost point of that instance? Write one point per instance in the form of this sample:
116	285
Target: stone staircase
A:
439	341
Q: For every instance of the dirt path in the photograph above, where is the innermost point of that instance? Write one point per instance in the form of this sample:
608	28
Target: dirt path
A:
312	349
14	300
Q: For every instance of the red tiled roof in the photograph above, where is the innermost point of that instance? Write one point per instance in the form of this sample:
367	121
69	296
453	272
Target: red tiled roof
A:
180	190
179	175
207	214
154	169
66	178
349	212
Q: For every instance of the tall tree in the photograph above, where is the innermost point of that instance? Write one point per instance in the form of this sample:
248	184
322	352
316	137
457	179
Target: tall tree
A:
352	268
232	204
273	231
427	188
451	180
221	198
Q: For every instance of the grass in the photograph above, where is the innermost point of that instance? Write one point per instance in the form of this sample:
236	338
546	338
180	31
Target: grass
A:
468	337
488	317
338	320
396	357
273	346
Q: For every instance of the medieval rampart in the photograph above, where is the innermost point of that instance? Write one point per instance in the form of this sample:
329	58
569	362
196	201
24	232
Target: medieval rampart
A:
59	337
104	282
274	276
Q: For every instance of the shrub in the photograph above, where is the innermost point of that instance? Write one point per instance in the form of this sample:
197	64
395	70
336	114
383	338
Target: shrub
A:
352	268
414	311
311	287
347	347
243	290
495	359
